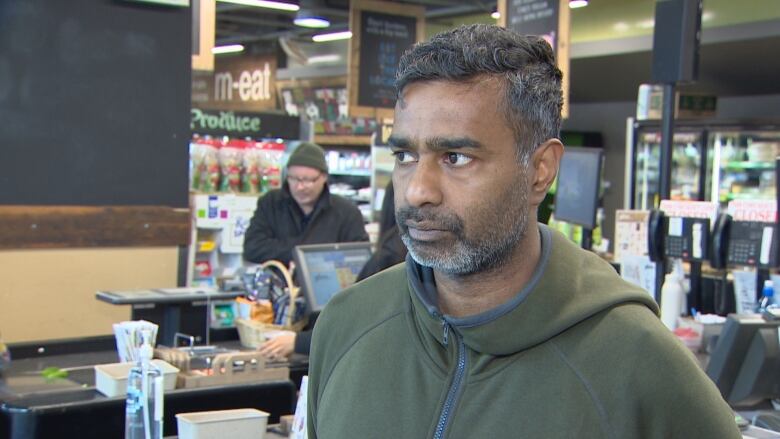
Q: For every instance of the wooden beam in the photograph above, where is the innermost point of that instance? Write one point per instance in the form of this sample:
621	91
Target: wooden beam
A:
25	227
205	21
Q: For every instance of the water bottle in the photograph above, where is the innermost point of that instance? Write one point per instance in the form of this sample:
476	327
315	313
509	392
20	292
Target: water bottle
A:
767	300
144	409
672	299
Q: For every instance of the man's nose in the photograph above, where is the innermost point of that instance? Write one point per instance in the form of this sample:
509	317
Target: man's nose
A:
424	184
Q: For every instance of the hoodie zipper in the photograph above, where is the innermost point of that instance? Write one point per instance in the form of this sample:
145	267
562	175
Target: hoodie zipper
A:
457	380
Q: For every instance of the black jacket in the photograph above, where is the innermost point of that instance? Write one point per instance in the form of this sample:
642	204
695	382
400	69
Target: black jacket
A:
276	227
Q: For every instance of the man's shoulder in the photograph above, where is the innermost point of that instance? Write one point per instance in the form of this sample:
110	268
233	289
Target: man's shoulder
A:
341	203
272	196
366	303
383	287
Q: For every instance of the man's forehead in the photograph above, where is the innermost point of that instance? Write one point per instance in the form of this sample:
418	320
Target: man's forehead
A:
449	110
480	84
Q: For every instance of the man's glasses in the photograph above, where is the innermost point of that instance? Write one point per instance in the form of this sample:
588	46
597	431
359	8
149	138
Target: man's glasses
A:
302	181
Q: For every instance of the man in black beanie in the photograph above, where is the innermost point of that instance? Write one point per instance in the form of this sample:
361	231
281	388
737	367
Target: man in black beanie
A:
303	211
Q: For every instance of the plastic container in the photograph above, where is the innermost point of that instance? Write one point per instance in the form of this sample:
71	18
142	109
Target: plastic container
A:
672	297
111	379
233	424
144	407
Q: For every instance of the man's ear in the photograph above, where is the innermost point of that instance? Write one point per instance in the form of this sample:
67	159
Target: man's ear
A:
545	161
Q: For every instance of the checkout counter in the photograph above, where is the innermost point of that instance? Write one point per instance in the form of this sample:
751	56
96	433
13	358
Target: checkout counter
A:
32	406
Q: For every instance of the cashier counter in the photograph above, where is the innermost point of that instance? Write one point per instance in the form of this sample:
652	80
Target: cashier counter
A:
33	407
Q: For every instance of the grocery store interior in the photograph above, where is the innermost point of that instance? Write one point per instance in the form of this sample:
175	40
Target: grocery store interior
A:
138	135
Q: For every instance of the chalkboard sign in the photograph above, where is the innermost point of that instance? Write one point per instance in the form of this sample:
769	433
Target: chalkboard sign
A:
94	103
548	19
381	32
534	17
384	38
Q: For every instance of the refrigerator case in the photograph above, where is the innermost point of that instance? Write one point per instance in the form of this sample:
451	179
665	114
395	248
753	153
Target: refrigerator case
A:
711	161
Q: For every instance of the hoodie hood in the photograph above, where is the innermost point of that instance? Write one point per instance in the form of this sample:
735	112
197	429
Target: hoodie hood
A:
569	285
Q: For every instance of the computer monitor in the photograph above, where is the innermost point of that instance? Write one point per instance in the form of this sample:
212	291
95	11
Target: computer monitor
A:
326	269
745	364
579	181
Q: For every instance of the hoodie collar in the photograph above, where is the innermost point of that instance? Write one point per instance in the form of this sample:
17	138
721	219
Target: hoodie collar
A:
567	286
422	281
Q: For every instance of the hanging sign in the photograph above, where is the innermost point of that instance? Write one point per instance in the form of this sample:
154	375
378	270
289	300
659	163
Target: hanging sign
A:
381	32
548	19
239	84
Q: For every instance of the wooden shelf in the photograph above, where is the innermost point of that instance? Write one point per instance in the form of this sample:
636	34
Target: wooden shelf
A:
340	139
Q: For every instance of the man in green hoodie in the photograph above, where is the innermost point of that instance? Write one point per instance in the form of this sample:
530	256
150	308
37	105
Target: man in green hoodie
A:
495	326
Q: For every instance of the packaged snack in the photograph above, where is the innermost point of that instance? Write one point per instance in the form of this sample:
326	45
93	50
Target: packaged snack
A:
252	173
209	180
230	160
271	154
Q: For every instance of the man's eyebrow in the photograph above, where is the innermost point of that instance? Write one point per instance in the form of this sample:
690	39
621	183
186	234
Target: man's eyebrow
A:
399	142
449	143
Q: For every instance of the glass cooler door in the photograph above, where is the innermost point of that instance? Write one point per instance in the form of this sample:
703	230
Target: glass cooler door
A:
688	155
744	164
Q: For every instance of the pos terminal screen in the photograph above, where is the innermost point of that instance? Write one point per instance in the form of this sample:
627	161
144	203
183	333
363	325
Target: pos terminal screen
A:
326	269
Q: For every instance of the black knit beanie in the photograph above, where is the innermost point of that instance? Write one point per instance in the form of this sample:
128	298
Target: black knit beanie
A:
310	155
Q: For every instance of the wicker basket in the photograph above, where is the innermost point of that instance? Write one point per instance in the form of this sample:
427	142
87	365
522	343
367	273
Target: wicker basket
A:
251	332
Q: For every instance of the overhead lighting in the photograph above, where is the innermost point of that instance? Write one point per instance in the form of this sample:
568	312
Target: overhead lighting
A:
574	4
231	48
307	15
265	4
324	58
333	36
314	22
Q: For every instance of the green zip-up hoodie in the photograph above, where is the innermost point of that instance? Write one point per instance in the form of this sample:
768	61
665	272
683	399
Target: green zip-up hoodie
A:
577	353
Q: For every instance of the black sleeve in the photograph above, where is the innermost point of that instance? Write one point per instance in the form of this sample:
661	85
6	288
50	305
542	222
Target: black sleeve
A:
302	342
391	251
353	229
260	241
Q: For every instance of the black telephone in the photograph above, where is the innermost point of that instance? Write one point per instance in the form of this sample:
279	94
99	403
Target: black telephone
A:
656	231
745	243
753	243
720	239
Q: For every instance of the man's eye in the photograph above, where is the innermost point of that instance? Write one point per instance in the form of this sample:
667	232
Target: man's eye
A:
403	157
457	159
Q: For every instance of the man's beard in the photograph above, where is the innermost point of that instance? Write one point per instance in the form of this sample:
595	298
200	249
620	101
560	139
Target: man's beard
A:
495	229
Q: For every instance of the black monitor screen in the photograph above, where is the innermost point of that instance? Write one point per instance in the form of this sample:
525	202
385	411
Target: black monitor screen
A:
326	269
579	177
745	362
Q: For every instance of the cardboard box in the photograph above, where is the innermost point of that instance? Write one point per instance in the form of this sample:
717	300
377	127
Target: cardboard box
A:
234	424
111	379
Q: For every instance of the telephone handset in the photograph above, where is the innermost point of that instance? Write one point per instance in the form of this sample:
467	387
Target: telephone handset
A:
655	235
720	239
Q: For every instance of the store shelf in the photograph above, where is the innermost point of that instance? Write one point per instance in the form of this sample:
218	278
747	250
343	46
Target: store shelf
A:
762	166
334	139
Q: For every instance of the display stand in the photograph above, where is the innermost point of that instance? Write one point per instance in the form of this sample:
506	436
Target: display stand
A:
184	310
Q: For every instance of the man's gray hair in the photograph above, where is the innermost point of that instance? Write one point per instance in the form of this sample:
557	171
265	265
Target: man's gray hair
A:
525	65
